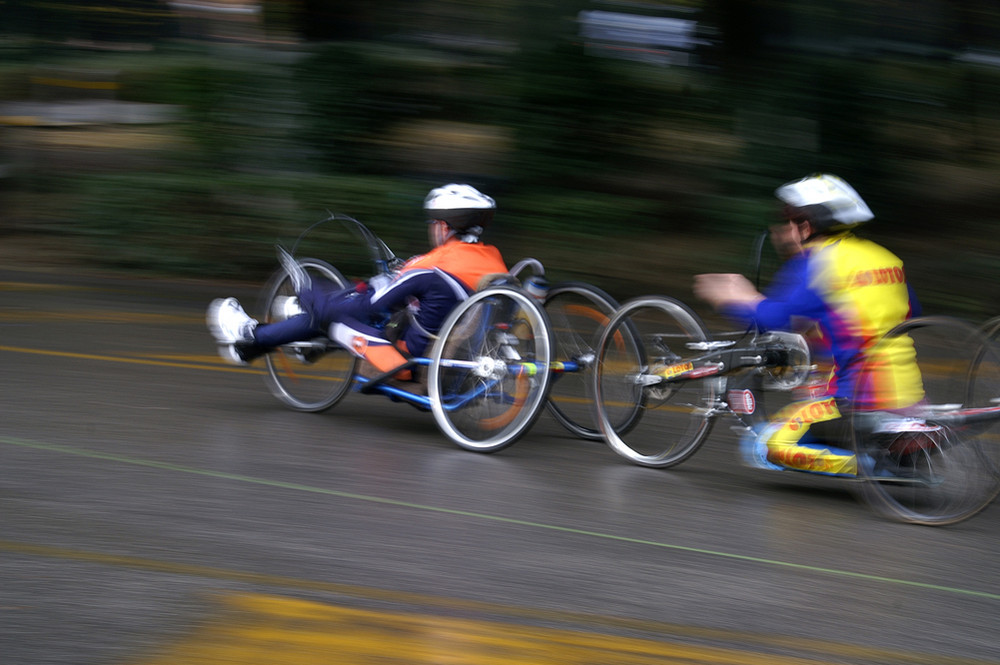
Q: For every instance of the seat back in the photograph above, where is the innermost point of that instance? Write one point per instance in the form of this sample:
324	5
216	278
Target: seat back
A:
497	279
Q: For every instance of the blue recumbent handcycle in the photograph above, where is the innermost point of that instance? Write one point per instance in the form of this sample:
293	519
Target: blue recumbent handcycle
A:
512	347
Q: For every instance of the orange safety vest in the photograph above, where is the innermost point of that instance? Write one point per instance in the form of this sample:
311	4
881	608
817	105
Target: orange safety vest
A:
469	262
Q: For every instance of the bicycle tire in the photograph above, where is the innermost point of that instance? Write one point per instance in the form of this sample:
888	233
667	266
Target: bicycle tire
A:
991	329
489	375
980	385
312	375
578	313
917	466
672	418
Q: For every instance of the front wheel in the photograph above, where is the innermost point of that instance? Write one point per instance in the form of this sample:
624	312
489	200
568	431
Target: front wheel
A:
310	375
928	463
489	370
635	382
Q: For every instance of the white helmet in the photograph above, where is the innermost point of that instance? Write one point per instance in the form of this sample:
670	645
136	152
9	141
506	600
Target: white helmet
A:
827	201
461	207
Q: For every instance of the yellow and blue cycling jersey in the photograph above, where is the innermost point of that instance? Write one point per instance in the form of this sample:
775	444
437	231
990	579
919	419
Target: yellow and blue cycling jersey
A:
856	291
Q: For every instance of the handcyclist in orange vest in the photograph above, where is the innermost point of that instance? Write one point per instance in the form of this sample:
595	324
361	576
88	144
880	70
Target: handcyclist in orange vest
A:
855	291
431	285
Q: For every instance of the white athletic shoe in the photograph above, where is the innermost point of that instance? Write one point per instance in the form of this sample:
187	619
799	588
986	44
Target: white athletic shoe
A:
230	325
754	452
228	322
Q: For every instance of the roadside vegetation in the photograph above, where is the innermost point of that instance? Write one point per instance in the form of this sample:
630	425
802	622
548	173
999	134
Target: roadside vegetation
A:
631	174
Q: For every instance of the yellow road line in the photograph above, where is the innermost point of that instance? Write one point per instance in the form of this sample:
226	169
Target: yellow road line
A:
94	316
255	628
74	83
185	361
217	363
34	286
271	614
138	139
19	120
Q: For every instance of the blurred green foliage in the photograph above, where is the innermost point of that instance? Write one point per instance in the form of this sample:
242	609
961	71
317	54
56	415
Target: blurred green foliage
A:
201	223
364	107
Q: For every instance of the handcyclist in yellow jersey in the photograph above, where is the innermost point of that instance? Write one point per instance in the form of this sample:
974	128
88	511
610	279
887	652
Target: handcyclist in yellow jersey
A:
855	291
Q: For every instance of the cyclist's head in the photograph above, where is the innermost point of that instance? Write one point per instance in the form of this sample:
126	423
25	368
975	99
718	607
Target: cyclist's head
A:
458	210
827	202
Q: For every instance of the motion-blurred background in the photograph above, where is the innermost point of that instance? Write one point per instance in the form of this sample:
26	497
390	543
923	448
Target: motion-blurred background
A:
628	143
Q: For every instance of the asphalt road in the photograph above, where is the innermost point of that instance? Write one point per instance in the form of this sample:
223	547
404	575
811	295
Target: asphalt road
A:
157	506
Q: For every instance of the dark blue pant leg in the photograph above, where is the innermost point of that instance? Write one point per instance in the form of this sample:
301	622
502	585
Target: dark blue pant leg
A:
323	303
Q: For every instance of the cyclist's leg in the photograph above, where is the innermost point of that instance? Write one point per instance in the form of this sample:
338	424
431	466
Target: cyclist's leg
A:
347	316
810	436
318	301
341	313
367	343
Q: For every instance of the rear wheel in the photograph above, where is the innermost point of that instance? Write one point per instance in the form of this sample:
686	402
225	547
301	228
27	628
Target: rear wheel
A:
982	388
921	464
489	372
668	419
311	375
578	313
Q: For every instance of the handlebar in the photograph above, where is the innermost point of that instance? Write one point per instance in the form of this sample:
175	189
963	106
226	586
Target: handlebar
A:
384	260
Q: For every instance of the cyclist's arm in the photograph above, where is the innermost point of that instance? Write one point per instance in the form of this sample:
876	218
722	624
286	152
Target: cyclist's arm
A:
789	295
776	312
916	309
722	290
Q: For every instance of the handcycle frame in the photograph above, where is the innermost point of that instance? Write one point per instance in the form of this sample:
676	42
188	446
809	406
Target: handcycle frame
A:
732	375
936	462
490	369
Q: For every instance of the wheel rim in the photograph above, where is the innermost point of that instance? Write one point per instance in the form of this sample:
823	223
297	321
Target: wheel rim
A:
577	313
489	373
674	417
312	375
932	472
